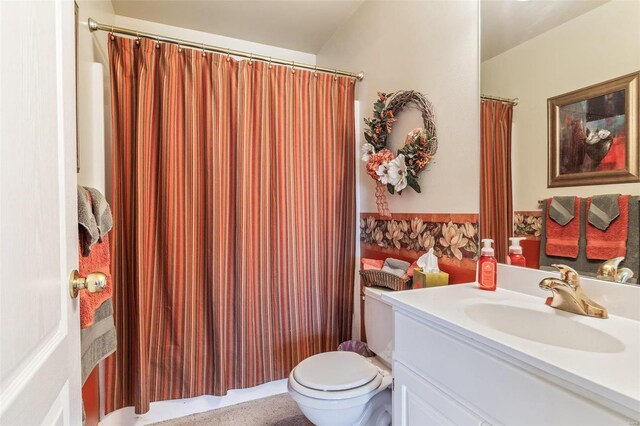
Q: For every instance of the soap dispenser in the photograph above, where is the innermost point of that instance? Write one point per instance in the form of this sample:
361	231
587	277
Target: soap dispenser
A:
487	266
515	252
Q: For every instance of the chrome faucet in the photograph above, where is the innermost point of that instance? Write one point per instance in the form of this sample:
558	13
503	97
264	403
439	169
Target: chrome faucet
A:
609	271
568	295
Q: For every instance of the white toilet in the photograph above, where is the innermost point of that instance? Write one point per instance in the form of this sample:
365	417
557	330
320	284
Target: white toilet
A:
344	388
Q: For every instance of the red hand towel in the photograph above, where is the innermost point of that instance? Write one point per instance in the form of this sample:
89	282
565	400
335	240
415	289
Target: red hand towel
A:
612	242
98	261
372	264
563	240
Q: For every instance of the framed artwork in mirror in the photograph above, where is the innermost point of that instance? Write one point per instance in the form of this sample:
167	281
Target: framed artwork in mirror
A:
593	134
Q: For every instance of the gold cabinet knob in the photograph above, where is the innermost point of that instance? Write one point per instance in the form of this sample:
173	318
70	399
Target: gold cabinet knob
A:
95	282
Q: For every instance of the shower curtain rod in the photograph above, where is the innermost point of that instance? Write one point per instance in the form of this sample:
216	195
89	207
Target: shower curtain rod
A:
96	26
513	102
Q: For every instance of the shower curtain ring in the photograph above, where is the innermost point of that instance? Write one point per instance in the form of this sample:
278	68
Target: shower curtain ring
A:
315	71
137	38
270	62
293	67
335	74
251	58
111	33
228	54
203	53
157	43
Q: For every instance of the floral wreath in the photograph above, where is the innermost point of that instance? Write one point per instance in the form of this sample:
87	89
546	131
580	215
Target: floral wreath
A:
396	172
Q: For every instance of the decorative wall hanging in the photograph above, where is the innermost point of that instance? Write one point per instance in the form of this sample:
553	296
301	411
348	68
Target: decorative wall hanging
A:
527	224
396	172
593	134
452	236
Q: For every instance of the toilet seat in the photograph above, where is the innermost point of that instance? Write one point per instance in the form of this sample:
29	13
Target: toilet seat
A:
335	376
333	371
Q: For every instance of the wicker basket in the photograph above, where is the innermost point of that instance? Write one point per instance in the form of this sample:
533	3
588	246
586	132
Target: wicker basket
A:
375	278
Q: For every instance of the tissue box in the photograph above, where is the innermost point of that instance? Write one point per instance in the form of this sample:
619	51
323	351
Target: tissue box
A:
422	280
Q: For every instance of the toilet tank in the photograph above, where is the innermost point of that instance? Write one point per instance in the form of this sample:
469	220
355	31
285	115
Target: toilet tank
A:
378	318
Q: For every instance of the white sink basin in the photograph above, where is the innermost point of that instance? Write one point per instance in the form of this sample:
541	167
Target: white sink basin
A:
549	326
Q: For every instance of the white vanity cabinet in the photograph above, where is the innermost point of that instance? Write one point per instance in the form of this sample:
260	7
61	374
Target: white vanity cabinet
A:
448	371
416	401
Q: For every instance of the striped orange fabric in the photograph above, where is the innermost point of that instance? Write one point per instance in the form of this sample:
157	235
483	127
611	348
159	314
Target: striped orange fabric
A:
234	221
496	205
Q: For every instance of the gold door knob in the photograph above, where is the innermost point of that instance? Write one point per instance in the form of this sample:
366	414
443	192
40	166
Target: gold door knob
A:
95	282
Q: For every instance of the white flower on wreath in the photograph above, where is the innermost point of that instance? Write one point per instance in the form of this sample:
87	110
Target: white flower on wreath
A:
398	173
383	173
367	151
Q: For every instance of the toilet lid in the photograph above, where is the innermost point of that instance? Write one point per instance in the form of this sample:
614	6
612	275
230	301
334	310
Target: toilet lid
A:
335	371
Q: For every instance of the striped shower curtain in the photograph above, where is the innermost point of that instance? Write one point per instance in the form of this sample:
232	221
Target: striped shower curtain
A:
234	210
496	205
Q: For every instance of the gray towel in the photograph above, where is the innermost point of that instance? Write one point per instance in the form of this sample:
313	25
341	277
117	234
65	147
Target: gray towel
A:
101	211
98	341
89	232
396	266
562	209
603	210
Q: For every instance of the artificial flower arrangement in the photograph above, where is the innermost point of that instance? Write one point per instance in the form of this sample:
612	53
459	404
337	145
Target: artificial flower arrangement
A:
593	137
396	172
597	144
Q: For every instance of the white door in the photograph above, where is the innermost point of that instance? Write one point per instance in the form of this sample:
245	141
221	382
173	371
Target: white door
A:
39	322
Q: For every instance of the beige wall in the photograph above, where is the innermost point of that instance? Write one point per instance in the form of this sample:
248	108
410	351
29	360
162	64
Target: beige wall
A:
214	39
431	47
597	46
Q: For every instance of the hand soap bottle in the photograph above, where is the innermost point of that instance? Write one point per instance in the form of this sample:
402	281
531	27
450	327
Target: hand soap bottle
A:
487	266
515	252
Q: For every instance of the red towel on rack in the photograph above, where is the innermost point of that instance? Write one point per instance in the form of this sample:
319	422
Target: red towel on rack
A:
612	242
563	240
98	261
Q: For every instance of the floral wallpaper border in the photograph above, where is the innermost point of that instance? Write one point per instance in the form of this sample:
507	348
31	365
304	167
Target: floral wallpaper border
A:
454	236
527	224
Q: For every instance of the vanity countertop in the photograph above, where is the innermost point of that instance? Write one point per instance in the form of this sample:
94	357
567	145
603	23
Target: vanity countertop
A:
601	356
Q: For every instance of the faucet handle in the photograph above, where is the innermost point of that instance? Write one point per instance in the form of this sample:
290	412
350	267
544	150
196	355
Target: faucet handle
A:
623	275
609	269
568	274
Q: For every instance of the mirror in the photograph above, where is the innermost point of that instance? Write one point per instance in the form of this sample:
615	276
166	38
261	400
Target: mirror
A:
536	50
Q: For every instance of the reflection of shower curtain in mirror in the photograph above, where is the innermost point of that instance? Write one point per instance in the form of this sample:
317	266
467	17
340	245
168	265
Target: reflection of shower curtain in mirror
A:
234	210
496	206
